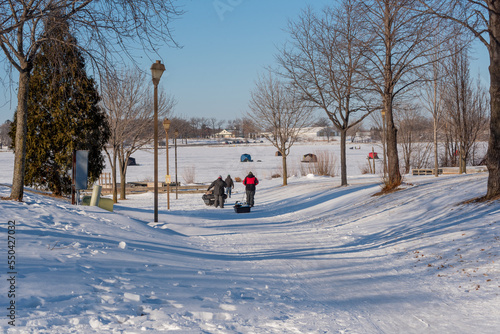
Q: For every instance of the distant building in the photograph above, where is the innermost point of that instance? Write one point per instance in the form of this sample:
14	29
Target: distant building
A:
309	134
328	132
224	134
318	133
362	137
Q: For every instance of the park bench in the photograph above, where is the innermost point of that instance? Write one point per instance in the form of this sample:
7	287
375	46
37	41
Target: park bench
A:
425	171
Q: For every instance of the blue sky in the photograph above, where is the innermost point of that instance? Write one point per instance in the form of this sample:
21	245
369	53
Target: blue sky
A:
225	45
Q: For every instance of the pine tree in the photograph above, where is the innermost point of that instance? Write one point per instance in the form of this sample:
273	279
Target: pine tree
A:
64	114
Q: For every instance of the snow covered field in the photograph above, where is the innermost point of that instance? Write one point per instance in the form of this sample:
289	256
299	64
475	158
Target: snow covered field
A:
311	257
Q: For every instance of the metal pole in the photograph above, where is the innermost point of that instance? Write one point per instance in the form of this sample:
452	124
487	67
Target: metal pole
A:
176	184
373	159
156	153
168	181
156	71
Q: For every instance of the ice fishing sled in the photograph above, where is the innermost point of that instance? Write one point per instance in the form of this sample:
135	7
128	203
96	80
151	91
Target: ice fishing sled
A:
209	198
241	207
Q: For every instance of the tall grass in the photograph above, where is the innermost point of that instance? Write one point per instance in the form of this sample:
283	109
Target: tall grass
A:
326	165
189	174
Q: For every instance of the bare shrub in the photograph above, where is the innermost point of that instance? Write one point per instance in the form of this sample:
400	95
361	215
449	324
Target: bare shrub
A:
188	174
421	155
278	172
366	168
292	170
277	106
264	175
304	169
326	165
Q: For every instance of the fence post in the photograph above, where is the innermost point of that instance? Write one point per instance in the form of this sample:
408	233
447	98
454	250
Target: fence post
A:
373	158
96	194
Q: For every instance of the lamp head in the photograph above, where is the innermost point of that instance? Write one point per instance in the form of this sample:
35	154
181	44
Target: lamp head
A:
157	70
166	124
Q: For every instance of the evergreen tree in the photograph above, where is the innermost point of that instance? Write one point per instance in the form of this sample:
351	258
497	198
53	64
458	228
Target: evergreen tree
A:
64	114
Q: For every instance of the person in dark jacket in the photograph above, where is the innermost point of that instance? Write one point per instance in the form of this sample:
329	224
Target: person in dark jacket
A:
218	186
250	182
229	185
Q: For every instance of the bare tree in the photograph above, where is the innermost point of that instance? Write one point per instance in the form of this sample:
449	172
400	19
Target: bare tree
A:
102	28
249	127
233	125
237	126
432	99
200	127
276	107
354	130
182	126
216	125
481	18
324	62
401	42
206	130
411	127
127	102
323	122
5	139
213	124
465	107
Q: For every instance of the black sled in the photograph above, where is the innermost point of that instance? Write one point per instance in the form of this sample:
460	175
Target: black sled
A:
209	198
241	207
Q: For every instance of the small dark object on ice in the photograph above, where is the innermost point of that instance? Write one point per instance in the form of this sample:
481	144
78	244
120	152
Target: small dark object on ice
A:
131	162
241	208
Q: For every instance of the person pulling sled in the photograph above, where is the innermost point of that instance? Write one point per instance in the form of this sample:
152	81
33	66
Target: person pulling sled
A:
219	185
250	182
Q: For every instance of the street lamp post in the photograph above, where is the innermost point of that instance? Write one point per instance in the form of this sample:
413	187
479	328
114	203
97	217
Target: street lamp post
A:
157	70
166	126
176	134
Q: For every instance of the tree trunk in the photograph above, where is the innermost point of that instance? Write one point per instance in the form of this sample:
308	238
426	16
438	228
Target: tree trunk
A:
436	161
123	179
113	177
384	144
394	175
123	185
285	169
463	159
343	160
17	190
407	158
493	155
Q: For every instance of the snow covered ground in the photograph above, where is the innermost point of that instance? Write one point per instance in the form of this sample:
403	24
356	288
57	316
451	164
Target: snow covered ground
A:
311	257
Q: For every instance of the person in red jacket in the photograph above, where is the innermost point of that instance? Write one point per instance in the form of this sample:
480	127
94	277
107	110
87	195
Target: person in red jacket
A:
250	182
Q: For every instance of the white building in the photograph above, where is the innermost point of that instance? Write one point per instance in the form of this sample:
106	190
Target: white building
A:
318	133
224	134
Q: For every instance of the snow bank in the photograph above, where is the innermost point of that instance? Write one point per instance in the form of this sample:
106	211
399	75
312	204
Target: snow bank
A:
311	257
